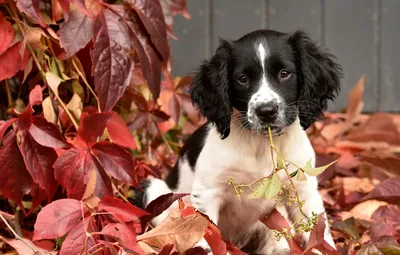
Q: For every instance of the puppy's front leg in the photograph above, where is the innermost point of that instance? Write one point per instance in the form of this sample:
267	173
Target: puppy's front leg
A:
207	201
308	192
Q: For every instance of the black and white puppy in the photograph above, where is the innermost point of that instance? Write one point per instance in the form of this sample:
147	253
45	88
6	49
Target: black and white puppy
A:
266	78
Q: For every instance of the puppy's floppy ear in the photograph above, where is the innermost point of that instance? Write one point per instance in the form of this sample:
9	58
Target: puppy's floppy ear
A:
210	89
319	77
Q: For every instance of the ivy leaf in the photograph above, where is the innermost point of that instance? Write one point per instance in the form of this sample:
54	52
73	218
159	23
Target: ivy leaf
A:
119	132
57	218
46	133
149	58
11	61
72	170
125	236
116	161
293	174
317	170
348	227
387	190
32	10
6	33
112	64
389	164
74	243
123	212
36	96
76	32
92	126
301	176
39	162
15	180
152	17
280	164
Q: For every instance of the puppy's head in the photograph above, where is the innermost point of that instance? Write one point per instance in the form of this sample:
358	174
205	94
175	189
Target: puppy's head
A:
270	78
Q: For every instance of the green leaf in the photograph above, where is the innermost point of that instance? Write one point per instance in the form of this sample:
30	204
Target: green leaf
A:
293	174
308	164
281	164
273	186
316	171
260	190
348	227
301	176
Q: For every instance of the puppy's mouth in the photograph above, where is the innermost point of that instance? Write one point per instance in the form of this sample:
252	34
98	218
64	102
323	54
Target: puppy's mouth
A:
262	128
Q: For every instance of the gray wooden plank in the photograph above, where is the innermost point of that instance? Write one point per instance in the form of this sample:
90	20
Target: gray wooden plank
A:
234	18
290	15
350	34
390	54
194	38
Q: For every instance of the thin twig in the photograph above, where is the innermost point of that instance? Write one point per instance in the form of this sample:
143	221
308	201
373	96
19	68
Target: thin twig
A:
17	236
9	97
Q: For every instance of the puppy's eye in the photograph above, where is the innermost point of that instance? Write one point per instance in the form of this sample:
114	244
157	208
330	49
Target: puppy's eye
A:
243	79
284	74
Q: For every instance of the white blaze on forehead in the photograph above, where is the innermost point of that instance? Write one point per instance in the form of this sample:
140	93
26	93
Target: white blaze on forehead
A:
262	54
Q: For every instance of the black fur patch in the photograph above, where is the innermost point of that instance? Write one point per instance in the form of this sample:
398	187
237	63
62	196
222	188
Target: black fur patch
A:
140	195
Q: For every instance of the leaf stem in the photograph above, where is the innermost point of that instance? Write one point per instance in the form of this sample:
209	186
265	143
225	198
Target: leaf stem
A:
17	236
9	97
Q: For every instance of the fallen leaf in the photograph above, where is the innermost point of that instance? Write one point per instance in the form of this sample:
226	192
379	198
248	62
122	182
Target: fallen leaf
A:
125	236
355	100
391	165
388	190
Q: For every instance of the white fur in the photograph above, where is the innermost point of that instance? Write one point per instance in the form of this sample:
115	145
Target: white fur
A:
245	156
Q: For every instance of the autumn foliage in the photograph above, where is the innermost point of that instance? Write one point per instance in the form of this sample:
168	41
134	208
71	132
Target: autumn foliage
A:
88	109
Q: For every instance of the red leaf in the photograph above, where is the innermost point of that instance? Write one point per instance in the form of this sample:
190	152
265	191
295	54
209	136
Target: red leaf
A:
11	61
15	181
125	236
124	212
112	64
392	165
76	32
151	15
47	133
32	10
387	213
174	108
93	126
39	162
116	161
149	58
387	190
275	220
4	125
214	239
119	133
72	170
24	121
138	99
171	8
317	241
57	218
160	204
6	33
74	243
36	96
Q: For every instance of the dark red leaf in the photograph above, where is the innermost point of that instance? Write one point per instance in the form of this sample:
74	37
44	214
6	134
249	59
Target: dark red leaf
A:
166	250
24	121
39	162
116	161
387	190
4	125
387	213
124	235
150	60
392	165
74	243
174	108
15	180
6	33
152	17
138	99
72	170
36	96
317	240
124	212
119	133
112	63
93	126
47	133
76	32
198	251
11	61
140	121
381	229
32	10
171	8
160	204
214	239
160	116
57	218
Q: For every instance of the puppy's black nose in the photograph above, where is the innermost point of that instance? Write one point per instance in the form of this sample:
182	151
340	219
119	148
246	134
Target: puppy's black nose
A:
267	112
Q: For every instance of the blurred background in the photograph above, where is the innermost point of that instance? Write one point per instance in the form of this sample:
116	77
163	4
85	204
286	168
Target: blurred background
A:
363	34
